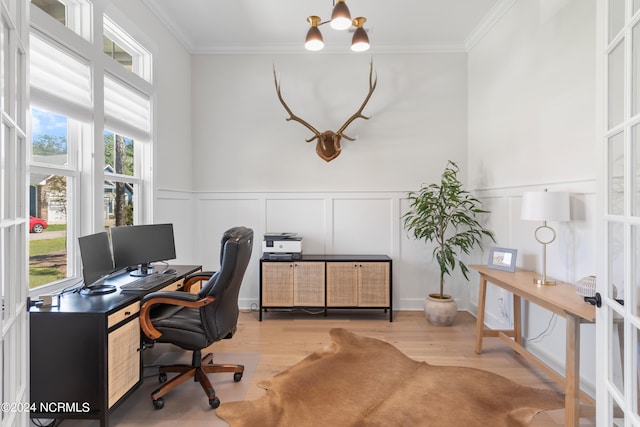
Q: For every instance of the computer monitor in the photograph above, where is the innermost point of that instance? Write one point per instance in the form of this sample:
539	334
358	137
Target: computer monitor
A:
97	263
139	245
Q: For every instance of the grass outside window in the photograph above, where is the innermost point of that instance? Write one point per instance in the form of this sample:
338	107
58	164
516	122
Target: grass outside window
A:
47	258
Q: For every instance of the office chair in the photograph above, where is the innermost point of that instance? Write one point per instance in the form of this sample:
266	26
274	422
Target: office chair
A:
195	321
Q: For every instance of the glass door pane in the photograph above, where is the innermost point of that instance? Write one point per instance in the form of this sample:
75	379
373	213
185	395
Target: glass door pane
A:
616	353
635	72
616	17
635	172
635	270
616	260
616	85
633	364
615	178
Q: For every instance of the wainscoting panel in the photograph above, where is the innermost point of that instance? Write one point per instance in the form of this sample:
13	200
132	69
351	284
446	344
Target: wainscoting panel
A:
329	223
176	207
363	226
370	222
306	217
214	217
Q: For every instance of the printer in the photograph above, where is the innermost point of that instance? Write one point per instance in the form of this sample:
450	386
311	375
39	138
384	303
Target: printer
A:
282	246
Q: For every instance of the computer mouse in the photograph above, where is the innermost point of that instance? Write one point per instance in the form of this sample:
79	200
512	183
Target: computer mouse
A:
169	271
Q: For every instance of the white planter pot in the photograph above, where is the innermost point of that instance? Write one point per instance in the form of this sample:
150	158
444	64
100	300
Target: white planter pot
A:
440	311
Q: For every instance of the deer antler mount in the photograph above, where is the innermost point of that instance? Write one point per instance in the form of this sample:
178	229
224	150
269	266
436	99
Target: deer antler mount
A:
328	145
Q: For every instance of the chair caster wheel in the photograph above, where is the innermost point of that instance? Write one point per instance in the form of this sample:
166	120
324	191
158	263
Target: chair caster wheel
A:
214	403
237	376
162	377
158	403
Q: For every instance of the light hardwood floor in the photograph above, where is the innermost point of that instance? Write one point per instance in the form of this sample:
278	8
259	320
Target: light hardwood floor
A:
282	339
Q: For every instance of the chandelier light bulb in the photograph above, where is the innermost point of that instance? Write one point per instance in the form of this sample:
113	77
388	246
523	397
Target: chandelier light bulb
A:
360	41
314	39
340	17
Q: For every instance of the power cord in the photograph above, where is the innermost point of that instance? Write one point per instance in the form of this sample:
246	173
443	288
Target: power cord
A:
550	326
72	288
503	311
253	309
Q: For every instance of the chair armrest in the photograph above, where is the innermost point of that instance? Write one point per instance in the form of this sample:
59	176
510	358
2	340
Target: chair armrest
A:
191	279
183	299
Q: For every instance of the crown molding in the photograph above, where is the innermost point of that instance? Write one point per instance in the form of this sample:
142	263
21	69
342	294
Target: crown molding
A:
495	14
176	31
298	49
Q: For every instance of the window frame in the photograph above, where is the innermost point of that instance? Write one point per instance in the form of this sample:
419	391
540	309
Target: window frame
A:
86	210
141	57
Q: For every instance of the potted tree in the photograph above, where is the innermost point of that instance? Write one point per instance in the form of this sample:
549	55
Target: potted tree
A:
446	214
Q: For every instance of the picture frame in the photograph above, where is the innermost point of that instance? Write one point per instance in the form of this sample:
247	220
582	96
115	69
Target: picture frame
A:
502	259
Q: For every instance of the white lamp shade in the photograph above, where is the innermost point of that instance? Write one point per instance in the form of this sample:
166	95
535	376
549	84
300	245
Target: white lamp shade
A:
545	206
340	17
314	39
360	42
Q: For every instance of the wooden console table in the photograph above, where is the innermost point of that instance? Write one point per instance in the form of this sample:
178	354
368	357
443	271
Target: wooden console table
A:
560	299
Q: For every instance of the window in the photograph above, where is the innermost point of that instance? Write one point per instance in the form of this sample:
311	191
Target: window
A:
53	8
120	195
126	50
73	14
53	174
91	139
112	49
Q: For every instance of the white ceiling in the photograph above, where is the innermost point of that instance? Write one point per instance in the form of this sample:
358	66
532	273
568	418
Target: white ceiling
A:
274	26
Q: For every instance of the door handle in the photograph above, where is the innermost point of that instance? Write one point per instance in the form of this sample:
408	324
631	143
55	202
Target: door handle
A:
594	300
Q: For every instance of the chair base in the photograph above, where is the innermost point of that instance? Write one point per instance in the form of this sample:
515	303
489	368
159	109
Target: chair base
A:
198	370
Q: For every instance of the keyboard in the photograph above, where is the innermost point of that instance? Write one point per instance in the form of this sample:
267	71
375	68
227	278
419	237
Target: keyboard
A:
146	283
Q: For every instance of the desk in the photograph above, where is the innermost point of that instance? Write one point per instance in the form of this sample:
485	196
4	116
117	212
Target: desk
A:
560	299
86	353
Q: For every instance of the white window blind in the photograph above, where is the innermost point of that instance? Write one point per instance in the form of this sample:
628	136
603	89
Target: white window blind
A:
59	80
126	110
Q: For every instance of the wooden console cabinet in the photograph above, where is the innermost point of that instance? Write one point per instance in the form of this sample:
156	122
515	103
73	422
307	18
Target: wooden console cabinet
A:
289	284
326	281
86	353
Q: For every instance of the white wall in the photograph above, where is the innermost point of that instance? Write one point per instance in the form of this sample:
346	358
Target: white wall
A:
254	168
173	148
418	121
532	126
172	77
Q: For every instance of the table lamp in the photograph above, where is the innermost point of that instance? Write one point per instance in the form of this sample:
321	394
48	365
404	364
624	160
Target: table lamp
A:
545	206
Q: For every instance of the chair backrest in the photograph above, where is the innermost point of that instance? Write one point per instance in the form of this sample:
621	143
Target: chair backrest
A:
220	317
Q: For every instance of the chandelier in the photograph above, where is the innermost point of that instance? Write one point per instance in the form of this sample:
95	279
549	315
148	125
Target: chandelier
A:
340	20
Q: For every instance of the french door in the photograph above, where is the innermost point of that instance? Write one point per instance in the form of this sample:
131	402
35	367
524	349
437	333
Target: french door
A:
618	319
14	223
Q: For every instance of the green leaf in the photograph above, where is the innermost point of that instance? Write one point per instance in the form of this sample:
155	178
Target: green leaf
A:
446	214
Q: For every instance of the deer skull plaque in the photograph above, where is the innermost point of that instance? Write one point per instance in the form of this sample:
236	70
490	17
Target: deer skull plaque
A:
328	145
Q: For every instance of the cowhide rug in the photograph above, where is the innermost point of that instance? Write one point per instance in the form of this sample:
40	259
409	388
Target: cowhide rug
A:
360	381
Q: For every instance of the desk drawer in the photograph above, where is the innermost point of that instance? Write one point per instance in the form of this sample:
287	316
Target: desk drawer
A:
174	286
178	285
123	314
